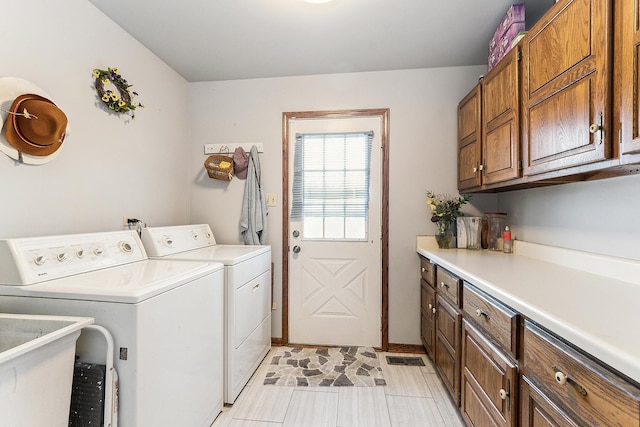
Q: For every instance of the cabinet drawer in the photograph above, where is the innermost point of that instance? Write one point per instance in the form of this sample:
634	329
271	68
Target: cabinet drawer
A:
488	381
579	385
428	271
448	285
499	321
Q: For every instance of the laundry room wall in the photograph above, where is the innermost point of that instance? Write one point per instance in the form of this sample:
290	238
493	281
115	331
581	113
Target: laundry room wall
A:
109	166
423	128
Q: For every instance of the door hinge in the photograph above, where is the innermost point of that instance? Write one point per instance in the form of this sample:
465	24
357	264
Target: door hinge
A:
620	134
519	165
519	55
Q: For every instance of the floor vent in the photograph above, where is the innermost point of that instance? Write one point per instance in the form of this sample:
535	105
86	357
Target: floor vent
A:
405	361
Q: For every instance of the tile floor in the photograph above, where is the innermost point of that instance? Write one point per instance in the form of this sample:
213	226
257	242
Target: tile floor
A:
413	397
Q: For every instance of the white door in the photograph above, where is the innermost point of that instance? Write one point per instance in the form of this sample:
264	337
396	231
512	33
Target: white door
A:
335	292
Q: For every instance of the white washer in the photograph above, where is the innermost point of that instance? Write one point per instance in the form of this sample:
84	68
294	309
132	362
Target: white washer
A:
247	293
166	318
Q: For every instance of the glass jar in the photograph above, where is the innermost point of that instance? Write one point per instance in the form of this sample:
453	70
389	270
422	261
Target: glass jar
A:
495	222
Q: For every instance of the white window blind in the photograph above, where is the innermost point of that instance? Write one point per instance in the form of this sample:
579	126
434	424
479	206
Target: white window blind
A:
331	184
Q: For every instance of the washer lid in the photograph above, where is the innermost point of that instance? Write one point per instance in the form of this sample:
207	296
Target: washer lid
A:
130	283
226	254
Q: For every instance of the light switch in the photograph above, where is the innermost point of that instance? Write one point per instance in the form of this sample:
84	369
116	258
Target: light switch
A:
271	199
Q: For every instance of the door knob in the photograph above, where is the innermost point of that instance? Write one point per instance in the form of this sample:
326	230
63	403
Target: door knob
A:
296	249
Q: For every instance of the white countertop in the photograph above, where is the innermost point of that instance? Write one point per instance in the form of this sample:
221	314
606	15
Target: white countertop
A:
594	303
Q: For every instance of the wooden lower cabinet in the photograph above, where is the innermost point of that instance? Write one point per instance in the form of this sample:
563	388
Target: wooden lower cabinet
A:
538	411
489	382
427	318
447	350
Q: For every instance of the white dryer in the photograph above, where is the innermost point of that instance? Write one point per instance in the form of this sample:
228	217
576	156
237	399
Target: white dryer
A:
247	293
165	317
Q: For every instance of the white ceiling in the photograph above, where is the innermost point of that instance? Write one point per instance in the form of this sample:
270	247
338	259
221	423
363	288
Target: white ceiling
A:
210	40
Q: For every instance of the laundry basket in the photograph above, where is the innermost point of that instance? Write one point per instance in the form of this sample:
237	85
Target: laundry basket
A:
219	166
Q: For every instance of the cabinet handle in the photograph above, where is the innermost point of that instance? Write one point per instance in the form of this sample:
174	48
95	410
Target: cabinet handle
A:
503	394
433	310
444	285
430	306
481	167
562	379
480	313
255	287
594	128
475	169
424	269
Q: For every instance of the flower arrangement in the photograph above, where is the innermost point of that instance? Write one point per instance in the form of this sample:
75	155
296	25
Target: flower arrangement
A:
445	209
120	100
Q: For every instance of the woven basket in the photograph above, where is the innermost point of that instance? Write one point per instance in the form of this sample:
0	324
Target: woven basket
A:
219	166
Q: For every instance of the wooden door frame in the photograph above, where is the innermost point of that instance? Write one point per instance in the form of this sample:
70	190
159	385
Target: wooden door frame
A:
383	113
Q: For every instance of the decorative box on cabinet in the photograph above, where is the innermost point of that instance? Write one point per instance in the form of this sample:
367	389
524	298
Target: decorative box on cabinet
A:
566	86
578	389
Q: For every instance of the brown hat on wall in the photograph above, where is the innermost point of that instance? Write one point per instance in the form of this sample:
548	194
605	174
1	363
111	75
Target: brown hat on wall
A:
35	125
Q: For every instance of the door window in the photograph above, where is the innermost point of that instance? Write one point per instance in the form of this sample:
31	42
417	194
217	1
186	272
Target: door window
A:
331	185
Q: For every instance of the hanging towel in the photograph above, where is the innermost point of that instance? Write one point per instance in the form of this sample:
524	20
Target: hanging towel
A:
253	218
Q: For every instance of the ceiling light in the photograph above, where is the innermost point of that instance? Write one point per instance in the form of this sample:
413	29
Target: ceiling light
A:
317	1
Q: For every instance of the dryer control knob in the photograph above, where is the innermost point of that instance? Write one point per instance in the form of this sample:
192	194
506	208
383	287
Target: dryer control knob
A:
126	247
98	251
62	256
80	253
195	236
166	241
39	260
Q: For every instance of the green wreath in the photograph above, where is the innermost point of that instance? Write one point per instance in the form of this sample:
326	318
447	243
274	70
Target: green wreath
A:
120	101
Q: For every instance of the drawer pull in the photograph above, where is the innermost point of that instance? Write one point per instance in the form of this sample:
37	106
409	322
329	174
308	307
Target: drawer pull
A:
562	379
444	285
480	312
503	394
255	287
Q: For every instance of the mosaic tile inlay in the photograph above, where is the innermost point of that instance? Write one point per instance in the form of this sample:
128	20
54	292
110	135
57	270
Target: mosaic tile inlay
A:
324	367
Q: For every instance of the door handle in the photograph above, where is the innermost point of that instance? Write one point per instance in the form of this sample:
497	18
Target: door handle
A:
296	249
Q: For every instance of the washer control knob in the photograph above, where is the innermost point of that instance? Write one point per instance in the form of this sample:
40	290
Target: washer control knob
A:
208	235
195	236
80	253
98	251
166	241
39	260
126	247
62	256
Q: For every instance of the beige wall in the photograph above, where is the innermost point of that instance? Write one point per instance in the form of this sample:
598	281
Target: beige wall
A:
423	127
109	166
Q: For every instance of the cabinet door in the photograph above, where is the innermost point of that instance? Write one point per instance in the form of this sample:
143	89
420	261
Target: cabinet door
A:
501	120
469	139
566	86
538	411
489	382
428	314
447	354
628	55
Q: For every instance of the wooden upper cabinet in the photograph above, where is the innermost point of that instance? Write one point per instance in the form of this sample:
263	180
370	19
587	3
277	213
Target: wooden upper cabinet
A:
501	120
469	139
566	87
628	55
